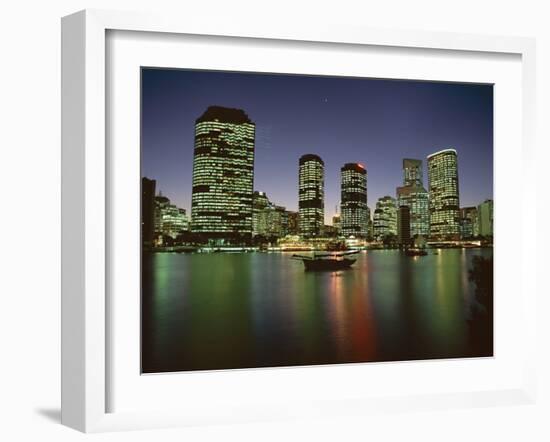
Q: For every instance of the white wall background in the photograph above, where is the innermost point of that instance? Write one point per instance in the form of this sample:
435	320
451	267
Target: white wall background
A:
29	191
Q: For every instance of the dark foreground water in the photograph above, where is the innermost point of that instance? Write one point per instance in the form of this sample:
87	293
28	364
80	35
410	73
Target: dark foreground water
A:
218	310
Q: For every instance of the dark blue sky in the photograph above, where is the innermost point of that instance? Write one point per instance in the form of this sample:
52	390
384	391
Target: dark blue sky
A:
370	121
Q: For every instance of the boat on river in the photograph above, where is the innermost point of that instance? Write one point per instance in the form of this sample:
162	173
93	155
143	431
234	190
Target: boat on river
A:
416	252
327	260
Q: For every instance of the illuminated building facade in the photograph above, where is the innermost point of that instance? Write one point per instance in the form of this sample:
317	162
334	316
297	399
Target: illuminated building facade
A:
353	205
170	220
412	172
413	195
385	218
223	176
485	218
311	195
468	222
444	195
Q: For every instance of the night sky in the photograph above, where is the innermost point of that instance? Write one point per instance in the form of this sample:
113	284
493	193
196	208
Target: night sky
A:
369	121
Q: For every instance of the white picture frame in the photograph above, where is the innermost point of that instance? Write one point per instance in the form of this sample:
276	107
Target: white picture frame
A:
85	196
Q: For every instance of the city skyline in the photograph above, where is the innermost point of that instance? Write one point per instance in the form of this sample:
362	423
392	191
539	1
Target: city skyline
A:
168	130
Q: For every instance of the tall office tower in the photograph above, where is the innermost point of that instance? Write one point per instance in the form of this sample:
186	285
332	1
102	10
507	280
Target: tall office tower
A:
444	195
354	200
412	172
468	222
413	195
485	218
223	176
147	212
311	195
260	202
385	218
404	226
416	199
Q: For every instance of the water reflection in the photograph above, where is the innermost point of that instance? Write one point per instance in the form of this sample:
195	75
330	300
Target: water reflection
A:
213	311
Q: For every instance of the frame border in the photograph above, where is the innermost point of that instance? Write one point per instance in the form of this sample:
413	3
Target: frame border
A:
84	200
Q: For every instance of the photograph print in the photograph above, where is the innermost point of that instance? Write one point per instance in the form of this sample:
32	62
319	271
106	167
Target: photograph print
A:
299	220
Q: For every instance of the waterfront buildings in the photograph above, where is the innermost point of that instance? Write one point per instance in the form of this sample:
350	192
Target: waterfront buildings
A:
268	219
468	223
169	219
353	206
413	195
147	211
223	176
311	195
404	226
485	218
293	222
444	195
385	218
260	203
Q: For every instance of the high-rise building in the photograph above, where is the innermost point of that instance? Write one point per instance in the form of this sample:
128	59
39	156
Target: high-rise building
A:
412	172
147	212
444	195
413	195
170	220
468	222
416	199
385	218
353	204
404	226
268	219
485	218
223	175
260	202
311	195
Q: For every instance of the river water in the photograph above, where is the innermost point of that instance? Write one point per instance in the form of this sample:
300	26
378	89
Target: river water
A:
236	310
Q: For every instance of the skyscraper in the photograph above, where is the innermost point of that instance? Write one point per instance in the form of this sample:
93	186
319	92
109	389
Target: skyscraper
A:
223	175
385	218
311	195
444	195
468	222
354	216
413	195
412	172
485	218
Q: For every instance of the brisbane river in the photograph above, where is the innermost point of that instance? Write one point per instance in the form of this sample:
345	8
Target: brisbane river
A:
206	311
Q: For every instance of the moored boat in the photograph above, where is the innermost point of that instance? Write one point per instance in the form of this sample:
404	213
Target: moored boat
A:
416	252
327	261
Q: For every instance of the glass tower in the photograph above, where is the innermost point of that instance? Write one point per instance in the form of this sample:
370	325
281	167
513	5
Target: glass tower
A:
414	196
485	218
444	195
354	211
385	218
223	176
412	172
311	195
